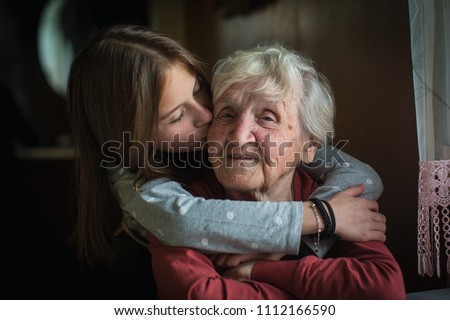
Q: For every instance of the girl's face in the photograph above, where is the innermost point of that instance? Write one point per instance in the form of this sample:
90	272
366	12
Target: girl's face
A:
184	112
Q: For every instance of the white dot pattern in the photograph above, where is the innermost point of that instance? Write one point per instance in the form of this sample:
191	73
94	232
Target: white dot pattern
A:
183	210
369	181
205	242
278	220
254	246
230	215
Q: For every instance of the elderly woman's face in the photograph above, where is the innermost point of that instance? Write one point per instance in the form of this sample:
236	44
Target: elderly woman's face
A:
255	144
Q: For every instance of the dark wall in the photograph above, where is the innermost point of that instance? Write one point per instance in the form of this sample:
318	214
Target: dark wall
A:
38	259
41	108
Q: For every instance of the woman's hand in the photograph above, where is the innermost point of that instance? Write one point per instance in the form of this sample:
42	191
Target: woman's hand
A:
241	272
240	266
357	219
230	260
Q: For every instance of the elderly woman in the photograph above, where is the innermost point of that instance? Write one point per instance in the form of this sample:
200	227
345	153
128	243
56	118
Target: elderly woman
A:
271	108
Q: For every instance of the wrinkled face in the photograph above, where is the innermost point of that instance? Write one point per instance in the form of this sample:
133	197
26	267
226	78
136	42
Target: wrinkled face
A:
255	144
184	112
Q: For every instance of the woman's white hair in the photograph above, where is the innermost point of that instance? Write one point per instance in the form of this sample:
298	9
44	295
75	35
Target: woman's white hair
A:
279	74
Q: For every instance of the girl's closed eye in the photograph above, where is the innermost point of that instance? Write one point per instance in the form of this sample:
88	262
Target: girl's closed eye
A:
179	118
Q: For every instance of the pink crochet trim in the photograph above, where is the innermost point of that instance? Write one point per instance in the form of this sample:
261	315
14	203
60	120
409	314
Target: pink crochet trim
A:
434	206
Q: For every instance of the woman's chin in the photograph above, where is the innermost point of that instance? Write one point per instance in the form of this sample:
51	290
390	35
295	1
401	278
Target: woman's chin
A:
239	181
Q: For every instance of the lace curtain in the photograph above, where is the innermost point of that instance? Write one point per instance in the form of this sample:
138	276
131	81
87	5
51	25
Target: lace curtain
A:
430	47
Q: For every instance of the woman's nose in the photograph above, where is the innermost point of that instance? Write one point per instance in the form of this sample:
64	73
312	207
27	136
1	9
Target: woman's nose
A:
241	131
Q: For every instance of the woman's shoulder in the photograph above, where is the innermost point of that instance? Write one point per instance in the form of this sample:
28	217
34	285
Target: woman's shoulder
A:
303	184
207	186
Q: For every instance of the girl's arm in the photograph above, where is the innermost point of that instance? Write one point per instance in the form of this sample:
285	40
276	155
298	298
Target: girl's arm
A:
177	218
337	171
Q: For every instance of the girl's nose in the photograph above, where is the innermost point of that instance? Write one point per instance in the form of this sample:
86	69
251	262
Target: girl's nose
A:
203	116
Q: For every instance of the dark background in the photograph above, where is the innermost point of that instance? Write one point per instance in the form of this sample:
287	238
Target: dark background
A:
361	46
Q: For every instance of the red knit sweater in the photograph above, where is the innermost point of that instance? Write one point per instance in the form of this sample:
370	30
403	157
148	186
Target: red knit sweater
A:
350	271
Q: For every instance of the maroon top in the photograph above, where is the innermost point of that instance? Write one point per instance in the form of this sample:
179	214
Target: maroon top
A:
365	270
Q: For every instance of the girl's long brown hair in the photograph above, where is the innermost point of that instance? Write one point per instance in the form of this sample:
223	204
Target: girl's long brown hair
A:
115	86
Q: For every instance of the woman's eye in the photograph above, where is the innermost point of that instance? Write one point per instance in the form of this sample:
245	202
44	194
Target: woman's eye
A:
268	118
225	115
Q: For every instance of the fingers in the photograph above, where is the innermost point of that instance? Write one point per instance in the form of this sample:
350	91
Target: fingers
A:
354	191
379	226
377	236
379	217
373	205
377	222
241	272
230	260
219	260
368	235
225	260
365	226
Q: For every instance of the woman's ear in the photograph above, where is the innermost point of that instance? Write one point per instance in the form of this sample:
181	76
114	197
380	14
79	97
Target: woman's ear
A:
310	151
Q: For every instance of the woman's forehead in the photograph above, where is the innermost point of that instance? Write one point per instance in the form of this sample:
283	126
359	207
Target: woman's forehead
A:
242	95
249	91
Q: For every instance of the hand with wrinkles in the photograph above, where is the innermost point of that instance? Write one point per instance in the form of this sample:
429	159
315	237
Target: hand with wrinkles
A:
357	219
240	266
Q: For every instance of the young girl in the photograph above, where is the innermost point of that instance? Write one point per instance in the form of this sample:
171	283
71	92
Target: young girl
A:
139	106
